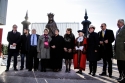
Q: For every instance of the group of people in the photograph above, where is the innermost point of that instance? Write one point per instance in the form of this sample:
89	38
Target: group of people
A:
49	51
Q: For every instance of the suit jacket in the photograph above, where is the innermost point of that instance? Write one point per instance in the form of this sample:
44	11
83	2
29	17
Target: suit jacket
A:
13	38
120	45
106	50
23	43
28	42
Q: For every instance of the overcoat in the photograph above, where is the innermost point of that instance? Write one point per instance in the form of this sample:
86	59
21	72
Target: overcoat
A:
92	45
120	45
43	53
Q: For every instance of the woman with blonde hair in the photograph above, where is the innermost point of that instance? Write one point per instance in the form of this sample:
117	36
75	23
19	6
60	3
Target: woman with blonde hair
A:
43	49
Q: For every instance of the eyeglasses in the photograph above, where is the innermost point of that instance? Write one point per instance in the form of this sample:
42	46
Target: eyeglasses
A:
14	27
102	26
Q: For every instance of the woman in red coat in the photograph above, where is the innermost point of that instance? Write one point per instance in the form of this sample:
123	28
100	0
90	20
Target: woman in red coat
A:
79	58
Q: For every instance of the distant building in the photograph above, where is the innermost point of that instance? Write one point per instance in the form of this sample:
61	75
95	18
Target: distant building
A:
61	26
3	11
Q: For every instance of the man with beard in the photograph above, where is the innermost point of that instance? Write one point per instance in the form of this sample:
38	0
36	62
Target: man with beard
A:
23	50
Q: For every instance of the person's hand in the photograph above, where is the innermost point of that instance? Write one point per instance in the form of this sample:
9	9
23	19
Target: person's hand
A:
101	42
106	41
53	46
95	50
65	49
69	50
14	44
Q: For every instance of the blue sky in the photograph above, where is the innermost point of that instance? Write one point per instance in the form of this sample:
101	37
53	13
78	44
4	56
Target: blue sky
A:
99	11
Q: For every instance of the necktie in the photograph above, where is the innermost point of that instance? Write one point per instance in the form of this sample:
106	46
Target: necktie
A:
33	40
102	33
119	30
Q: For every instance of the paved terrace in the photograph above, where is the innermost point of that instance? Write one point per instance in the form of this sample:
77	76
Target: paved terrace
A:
25	76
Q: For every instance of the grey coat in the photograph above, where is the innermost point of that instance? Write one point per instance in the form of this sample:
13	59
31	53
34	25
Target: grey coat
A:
43	53
120	45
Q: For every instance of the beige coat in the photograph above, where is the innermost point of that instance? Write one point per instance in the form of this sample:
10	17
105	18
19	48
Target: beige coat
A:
120	45
43	53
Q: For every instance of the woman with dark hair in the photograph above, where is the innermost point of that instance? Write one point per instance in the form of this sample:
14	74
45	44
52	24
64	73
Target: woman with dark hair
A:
56	51
69	44
43	48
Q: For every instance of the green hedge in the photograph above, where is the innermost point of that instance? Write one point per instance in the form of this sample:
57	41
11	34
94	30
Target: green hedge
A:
5	47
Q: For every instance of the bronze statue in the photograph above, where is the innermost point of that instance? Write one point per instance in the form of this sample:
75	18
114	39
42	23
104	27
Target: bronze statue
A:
51	25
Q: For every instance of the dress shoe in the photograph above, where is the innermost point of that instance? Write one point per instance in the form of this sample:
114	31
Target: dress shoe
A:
93	74
35	69
6	70
119	79
21	68
15	69
89	73
66	71
110	76
103	74
122	81
29	70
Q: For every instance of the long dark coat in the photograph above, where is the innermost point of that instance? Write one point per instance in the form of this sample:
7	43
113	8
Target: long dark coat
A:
57	52
14	38
106	50
92	45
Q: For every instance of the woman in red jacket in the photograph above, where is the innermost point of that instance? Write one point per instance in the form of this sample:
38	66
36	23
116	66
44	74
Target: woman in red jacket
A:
79	58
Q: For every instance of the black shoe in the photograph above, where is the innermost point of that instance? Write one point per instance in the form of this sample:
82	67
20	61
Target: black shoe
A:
93	74
89	73
122	81
6	70
29	70
66	70
80	72
103	74
21	68
77	71
110	76
119	79
35	69
15	69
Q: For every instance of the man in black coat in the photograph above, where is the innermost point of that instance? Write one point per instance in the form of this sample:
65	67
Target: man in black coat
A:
57	51
23	50
13	38
106	38
31	47
92	50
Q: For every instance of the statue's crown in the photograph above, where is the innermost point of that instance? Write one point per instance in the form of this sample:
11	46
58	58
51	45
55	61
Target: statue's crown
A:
50	15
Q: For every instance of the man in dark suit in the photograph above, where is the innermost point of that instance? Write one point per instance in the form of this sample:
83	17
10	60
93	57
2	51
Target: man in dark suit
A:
120	50
13	38
32	50
23	50
106	38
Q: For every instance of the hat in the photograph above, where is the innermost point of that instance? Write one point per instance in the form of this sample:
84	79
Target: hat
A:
81	31
91	26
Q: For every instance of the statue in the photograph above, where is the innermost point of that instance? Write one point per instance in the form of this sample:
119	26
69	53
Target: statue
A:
51	25
25	22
